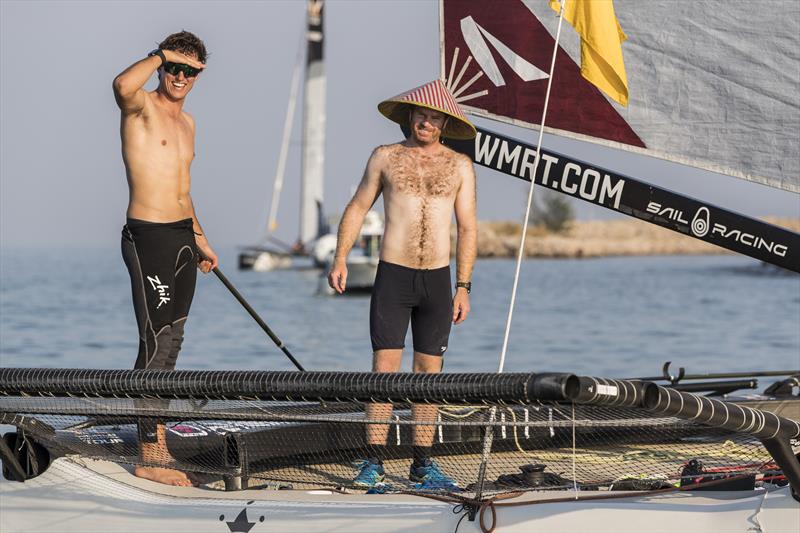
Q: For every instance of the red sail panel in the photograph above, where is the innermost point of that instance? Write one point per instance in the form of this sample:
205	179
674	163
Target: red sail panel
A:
497	39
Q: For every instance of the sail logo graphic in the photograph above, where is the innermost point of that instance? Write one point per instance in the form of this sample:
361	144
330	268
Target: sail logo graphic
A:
241	524
476	38
480	43
702	227
701	222
161	288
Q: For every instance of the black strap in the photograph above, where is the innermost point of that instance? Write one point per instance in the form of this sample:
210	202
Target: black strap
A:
160	53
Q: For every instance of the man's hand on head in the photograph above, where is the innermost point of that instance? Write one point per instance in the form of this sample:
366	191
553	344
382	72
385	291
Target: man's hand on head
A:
176	57
460	306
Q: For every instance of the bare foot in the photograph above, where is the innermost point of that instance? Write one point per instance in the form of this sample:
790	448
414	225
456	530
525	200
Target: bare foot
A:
167	476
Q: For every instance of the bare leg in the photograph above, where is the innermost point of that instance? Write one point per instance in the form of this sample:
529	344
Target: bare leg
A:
423	435
157	452
382	361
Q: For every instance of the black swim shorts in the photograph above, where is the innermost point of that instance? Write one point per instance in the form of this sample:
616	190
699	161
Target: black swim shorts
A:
161	261
424	296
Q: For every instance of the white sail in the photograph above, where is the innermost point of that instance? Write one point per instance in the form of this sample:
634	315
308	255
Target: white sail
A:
272	221
311	190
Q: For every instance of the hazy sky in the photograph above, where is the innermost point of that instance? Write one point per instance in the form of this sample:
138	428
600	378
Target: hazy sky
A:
62	181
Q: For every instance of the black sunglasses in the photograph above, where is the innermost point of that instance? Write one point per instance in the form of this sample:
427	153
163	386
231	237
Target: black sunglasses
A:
175	68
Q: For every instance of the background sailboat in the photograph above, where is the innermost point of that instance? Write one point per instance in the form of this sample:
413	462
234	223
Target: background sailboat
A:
315	239
274	253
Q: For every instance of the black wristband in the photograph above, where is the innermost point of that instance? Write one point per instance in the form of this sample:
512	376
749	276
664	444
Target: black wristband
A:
160	53
466	284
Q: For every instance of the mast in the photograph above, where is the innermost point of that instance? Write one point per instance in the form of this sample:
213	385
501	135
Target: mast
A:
313	127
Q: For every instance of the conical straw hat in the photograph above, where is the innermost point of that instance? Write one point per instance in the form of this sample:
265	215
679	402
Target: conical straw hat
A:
433	95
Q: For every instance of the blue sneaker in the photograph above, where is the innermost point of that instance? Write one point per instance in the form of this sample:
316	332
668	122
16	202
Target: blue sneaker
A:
381	488
369	475
430	477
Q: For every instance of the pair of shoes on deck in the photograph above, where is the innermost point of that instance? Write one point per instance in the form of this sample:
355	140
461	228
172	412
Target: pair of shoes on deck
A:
427	476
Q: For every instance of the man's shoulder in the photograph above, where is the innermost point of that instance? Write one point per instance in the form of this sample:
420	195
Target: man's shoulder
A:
456	160
149	107
188	118
385	149
458	157
383	152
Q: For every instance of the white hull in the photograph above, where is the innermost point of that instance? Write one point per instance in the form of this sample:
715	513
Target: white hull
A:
361	272
263	260
360	275
96	496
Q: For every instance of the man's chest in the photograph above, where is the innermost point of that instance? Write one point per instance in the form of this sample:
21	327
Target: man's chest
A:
173	134
424	178
168	136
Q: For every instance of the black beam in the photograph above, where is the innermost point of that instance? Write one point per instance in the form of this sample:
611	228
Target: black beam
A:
457	388
636	198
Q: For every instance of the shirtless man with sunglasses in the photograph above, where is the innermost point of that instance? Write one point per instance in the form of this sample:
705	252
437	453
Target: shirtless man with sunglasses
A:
162	240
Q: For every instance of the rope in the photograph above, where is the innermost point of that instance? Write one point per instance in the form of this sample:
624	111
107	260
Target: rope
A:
530	194
574	477
491	504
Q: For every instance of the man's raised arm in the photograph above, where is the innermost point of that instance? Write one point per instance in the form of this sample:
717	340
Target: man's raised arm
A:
467	242
368	191
129	84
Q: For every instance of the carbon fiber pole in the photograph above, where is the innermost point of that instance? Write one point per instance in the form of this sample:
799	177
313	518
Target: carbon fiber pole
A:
772	430
716	413
450	388
279	343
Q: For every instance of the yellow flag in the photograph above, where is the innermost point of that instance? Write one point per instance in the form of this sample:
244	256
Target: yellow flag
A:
601	44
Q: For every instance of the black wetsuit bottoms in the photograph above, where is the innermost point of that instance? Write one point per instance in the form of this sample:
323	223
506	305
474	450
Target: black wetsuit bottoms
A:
161	261
424	296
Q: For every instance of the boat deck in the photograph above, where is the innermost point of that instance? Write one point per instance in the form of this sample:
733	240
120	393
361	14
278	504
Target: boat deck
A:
650	461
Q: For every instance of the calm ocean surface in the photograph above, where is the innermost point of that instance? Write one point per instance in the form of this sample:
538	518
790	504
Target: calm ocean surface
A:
617	317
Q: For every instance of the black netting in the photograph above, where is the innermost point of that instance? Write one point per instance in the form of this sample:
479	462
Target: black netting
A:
313	444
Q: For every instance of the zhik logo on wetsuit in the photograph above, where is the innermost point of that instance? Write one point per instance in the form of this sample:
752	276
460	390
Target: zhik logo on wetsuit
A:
163	290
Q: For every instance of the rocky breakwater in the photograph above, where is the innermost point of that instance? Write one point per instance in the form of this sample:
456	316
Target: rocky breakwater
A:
597	239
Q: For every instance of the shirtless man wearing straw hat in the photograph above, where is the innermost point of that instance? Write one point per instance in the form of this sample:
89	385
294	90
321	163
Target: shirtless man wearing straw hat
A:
162	240
423	183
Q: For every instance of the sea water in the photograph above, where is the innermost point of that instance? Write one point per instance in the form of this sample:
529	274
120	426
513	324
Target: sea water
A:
611	317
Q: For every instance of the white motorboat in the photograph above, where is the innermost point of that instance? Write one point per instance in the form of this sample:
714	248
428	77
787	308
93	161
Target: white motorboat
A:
362	262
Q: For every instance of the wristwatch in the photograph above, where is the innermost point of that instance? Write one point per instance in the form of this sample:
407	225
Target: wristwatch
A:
466	284
160	53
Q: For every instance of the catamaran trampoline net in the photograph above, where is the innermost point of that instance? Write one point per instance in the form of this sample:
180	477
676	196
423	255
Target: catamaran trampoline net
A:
304	445
486	448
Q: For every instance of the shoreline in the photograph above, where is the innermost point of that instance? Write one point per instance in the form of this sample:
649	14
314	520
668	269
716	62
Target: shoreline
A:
597	238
